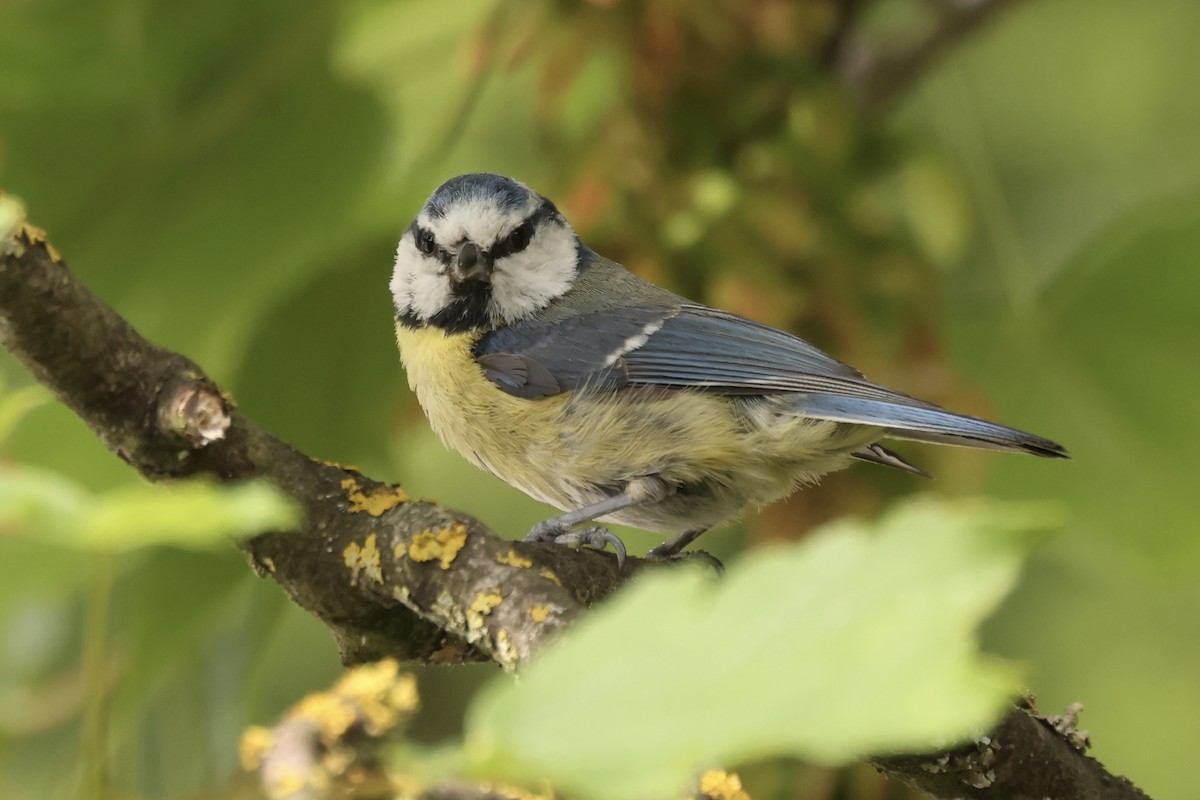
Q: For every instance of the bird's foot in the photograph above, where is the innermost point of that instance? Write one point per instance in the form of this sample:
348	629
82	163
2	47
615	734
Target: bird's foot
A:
551	530
663	555
672	550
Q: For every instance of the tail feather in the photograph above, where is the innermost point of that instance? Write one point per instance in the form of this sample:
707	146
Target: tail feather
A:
926	423
878	454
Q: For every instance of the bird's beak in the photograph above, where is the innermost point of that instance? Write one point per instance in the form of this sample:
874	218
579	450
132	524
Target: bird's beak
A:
472	265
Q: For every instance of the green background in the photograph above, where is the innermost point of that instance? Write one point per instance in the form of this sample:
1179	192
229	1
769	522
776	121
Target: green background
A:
1019	236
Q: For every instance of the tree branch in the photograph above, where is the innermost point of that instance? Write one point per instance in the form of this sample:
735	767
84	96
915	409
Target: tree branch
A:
391	576
1025	757
879	76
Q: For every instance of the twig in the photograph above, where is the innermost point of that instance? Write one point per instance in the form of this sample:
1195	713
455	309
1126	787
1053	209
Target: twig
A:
879	77
1025	757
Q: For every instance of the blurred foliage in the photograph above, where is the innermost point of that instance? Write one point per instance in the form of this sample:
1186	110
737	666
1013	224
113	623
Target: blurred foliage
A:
44	505
664	681
1016	239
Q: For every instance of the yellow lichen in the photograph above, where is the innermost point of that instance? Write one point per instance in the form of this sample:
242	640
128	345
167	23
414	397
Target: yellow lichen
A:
330	714
35	235
256	741
364	559
404	787
546	573
442	545
382	695
539	613
484	602
505	651
510	792
376	695
375	503
718	784
513	560
288	783
372	699
480	607
338	760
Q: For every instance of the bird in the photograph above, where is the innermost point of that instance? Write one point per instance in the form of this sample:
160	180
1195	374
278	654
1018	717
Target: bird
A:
615	400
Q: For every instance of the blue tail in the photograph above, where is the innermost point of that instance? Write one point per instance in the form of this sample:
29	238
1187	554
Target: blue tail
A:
925	423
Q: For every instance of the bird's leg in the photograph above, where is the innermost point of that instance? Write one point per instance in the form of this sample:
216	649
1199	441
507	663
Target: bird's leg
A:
672	551
558	529
672	547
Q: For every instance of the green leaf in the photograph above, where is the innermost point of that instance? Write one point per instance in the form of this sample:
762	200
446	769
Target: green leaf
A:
40	503
15	405
859	640
44	505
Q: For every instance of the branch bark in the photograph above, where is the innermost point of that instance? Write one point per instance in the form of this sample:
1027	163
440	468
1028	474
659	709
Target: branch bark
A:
391	576
1027	756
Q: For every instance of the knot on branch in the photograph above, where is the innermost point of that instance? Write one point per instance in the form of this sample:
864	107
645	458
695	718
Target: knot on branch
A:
193	409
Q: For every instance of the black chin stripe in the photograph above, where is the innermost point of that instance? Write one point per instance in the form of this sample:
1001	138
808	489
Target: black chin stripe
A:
409	320
466	313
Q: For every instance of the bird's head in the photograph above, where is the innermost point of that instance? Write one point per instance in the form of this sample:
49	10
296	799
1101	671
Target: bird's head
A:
485	249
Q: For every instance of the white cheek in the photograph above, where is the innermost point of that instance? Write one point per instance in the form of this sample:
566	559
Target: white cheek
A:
430	294
526	282
418	285
401	290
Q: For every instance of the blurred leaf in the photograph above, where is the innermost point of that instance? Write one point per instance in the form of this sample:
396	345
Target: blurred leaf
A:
428	764
15	405
860	640
40	502
191	514
933	203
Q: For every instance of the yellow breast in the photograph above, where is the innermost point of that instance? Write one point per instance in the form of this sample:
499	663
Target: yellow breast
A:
575	448
494	430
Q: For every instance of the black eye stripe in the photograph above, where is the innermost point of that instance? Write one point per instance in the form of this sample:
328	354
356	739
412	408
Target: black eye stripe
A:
518	239
521	236
425	242
515	242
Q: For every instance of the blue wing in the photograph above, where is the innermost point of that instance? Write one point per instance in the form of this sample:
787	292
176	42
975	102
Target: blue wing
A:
538	358
693	347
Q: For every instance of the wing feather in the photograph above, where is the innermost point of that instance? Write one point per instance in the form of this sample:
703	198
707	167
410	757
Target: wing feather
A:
692	347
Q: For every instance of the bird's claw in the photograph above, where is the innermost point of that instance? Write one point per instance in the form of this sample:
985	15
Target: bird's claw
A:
688	555
597	537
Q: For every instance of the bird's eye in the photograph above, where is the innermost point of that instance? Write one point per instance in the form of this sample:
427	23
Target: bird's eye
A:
425	242
518	240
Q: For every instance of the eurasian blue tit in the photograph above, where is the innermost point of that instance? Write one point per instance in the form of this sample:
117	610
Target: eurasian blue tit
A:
614	400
